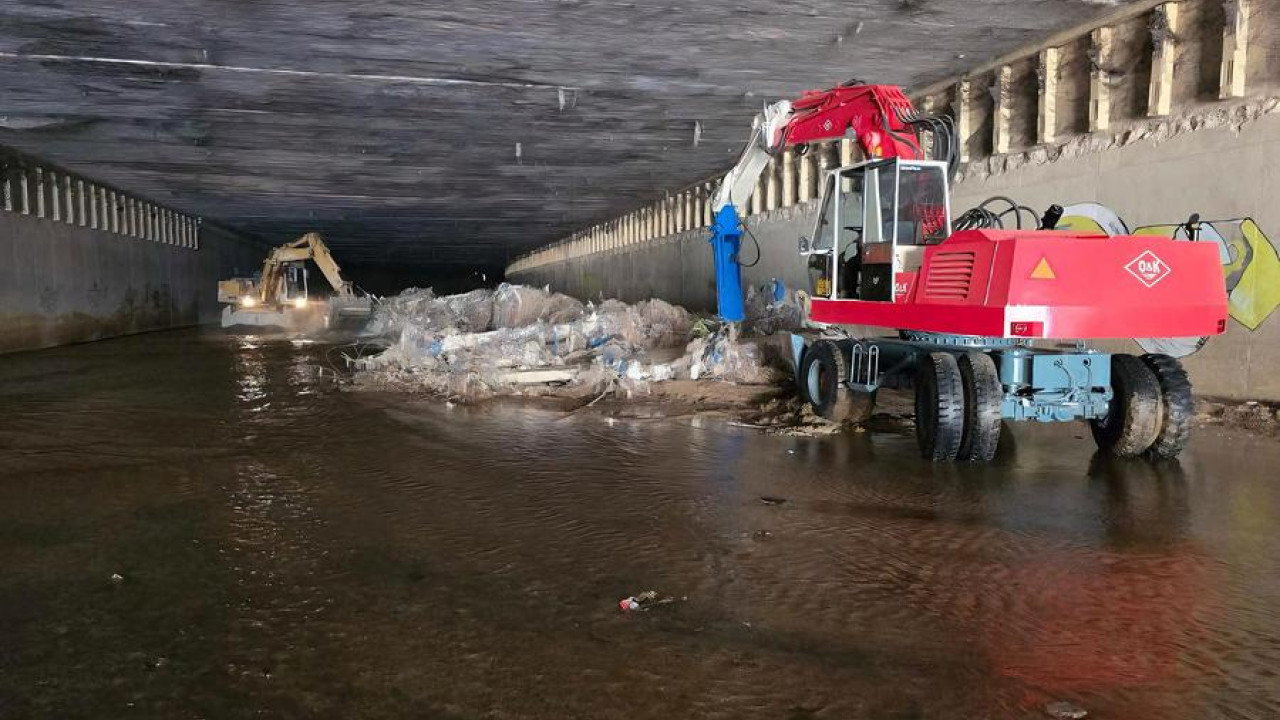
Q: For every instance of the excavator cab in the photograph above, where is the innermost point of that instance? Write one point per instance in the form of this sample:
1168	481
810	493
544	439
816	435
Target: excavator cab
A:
874	222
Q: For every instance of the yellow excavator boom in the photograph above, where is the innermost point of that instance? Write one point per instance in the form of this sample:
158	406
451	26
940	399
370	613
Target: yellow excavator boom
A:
308	247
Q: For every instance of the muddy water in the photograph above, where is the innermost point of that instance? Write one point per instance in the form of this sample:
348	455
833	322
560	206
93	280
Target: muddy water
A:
285	549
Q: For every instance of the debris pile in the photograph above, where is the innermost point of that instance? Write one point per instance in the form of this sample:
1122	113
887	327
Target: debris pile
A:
519	340
772	307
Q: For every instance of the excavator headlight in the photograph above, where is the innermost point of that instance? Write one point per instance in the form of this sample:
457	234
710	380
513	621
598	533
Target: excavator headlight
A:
248	301
300	303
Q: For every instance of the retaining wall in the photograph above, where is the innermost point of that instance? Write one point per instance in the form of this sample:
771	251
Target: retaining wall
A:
61	283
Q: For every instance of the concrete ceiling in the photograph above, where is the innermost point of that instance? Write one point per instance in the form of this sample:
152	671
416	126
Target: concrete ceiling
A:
420	133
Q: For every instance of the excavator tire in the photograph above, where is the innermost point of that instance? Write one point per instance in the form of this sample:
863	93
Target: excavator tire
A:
1133	421
821	378
982	413
939	407
1178	407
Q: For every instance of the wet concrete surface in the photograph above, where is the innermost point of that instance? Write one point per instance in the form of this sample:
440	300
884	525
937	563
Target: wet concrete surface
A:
287	549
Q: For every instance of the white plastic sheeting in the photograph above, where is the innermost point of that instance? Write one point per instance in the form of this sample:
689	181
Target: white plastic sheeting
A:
484	343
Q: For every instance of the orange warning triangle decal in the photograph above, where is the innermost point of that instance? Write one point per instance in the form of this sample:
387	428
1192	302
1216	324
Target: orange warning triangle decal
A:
1042	271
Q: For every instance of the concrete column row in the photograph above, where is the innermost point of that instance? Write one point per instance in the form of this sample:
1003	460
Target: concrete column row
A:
28	188
993	107
992	94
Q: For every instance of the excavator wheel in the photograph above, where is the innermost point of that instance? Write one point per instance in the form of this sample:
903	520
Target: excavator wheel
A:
821	378
983	418
939	407
1178	407
1133	421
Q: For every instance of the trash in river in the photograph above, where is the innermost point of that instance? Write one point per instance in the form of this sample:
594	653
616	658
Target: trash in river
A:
117	578
645	601
1063	710
772	500
520	340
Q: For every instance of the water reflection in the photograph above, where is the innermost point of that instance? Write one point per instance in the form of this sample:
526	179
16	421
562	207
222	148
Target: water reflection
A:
297	551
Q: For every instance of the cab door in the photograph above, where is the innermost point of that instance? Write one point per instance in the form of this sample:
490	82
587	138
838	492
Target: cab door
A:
821	249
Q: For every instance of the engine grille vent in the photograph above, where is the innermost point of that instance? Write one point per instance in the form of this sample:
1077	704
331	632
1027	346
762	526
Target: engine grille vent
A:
950	274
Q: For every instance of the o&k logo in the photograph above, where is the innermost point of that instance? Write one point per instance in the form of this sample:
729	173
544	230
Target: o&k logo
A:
1148	268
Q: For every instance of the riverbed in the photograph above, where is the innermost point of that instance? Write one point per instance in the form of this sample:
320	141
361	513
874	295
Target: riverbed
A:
197	526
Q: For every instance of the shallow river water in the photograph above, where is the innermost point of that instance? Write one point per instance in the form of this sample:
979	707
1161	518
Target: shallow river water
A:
283	548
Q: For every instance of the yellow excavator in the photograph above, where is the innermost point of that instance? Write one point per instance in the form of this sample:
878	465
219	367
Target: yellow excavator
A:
279	298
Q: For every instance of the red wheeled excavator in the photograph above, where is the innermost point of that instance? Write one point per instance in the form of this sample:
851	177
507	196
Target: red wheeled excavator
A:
987	324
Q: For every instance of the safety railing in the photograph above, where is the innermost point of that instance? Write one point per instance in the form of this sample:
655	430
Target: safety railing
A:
37	189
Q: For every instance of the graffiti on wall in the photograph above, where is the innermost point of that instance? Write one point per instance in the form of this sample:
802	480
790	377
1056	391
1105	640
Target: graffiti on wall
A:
1250	265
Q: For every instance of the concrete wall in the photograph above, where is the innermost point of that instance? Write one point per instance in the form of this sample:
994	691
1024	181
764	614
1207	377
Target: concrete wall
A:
60	283
1222	173
678	268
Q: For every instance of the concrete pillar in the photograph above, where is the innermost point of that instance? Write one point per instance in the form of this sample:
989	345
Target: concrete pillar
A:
1164	49
93	206
929	106
56	202
773	185
1235	40
24	183
788	177
1100	47
68	192
40	193
1047	75
964	117
82	203
806	168
682	212
757	195
1002	115
708	211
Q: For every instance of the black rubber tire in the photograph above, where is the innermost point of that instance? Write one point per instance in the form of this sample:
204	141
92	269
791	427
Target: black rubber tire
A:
939	407
983	417
1178	407
823	371
1133	421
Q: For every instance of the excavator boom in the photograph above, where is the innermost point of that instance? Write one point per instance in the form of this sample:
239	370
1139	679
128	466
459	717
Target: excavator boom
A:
308	247
878	117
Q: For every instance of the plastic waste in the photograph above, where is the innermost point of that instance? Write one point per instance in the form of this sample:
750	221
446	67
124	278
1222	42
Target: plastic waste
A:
489	342
1063	710
644	601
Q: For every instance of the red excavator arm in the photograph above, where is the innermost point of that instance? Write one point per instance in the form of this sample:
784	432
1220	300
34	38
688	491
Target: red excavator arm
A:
879	117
